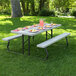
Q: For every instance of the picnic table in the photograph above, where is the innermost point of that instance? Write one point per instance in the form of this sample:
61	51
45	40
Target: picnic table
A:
34	30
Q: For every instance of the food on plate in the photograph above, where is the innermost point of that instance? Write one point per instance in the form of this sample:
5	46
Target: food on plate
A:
35	25
27	26
47	26
33	30
40	28
19	28
53	24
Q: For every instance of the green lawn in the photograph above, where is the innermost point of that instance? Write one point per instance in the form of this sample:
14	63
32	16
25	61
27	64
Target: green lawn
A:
61	61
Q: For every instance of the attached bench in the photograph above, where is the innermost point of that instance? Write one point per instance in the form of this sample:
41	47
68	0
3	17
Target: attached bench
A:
11	38
45	44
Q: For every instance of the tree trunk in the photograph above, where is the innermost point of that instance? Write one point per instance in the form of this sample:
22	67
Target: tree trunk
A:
41	4
23	6
16	9
33	7
27	7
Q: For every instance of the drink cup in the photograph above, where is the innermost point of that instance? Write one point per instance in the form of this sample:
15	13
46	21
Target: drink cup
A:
41	23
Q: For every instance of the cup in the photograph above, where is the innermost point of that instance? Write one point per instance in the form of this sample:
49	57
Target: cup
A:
41	23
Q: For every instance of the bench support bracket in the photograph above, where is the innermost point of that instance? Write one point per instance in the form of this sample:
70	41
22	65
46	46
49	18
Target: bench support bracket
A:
46	53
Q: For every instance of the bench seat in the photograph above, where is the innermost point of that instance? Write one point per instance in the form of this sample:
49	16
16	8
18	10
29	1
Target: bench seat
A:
49	42
11	37
53	40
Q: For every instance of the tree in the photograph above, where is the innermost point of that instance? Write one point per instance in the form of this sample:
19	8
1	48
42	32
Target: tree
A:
33	6
48	4
27	7
16	9
23	6
41	4
62	4
4	3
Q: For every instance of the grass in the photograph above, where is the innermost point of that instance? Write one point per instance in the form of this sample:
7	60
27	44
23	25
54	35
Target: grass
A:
61	62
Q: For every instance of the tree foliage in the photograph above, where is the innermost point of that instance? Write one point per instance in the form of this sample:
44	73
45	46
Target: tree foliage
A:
33	7
62	4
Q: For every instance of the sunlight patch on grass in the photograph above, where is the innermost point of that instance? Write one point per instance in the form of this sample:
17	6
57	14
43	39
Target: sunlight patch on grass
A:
73	34
56	31
29	18
25	18
4	16
74	25
73	19
70	30
6	22
43	33
2	47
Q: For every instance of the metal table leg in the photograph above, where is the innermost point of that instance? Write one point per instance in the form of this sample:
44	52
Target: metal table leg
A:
51	33
8	45
23	44
46	35
28	45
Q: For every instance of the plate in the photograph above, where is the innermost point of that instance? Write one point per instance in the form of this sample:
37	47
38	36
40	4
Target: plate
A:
24	29
33	30
27	27
20	28
54	24
40	28
48	26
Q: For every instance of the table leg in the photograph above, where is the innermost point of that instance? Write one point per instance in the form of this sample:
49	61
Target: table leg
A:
23	44
8	45
51	33
46	35
28	45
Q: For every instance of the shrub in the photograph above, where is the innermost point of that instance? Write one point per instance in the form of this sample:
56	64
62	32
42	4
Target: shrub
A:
52	13
35	13
45	12
5	11
73	13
